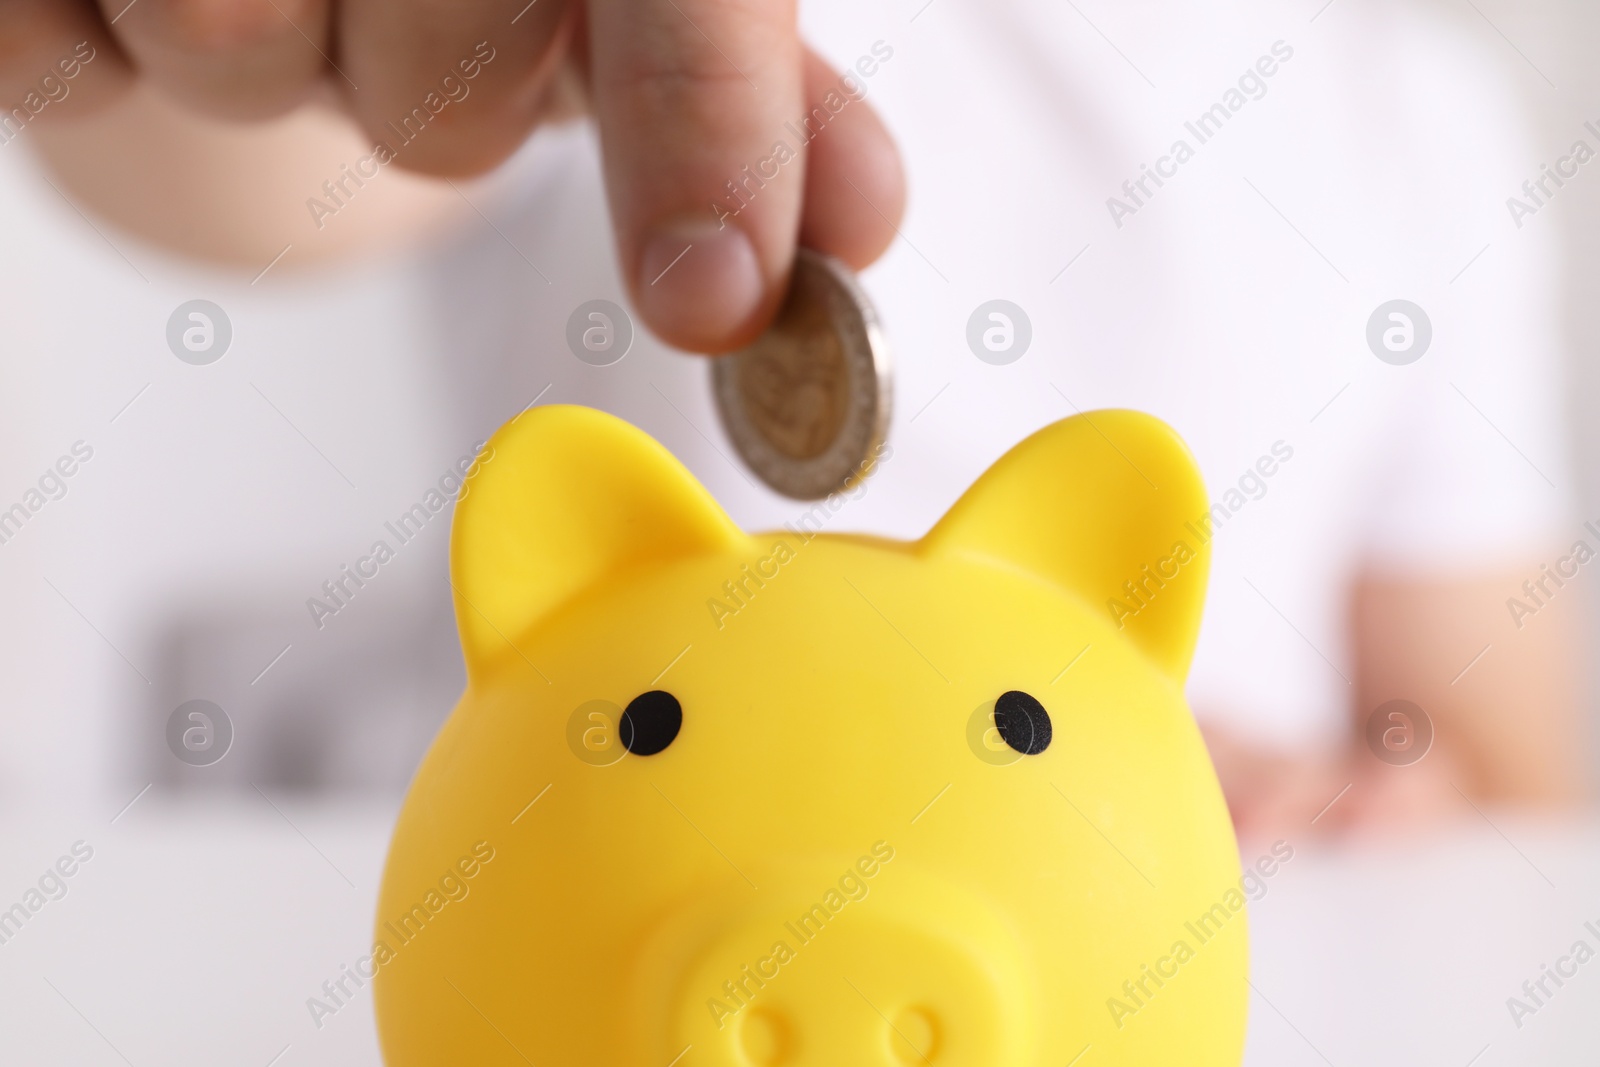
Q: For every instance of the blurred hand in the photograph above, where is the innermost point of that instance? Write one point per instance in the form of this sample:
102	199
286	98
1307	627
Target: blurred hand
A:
1505	733
1274	793
686	93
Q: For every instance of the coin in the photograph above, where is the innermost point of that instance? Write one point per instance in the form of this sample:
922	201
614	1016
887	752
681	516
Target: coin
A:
807	403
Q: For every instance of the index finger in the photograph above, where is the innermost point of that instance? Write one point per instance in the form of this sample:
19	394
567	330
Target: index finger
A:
692	97
55	55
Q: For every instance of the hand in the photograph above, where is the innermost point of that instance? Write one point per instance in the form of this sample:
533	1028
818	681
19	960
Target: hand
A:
1274	793
686	93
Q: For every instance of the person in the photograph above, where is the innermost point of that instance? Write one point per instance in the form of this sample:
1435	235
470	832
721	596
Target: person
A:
657	74
1211	214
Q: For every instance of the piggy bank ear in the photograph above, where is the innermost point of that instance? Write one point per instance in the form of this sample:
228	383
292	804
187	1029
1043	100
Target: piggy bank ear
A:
1108	505
566	498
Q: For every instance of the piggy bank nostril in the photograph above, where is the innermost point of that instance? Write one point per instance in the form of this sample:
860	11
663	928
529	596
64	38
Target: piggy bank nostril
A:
765	1038
913	1035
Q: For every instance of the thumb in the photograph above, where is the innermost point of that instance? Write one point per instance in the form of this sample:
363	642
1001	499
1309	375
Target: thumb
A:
705	181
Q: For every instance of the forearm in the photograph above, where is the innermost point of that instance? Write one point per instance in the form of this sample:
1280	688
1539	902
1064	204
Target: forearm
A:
1505	701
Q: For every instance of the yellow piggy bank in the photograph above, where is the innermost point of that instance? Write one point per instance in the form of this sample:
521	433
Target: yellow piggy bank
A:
717	799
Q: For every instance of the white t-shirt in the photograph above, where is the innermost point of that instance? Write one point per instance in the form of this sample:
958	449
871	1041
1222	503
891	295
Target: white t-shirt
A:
1328	166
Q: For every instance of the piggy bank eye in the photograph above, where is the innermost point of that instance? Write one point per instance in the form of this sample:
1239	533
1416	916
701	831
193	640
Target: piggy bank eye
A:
651	722
1022	722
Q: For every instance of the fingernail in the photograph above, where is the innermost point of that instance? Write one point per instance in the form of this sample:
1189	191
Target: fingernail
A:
699	283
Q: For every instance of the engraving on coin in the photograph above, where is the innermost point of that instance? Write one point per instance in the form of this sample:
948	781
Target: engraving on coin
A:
808	401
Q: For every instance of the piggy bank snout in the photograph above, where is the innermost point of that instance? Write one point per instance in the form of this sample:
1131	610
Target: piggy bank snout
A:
920	979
